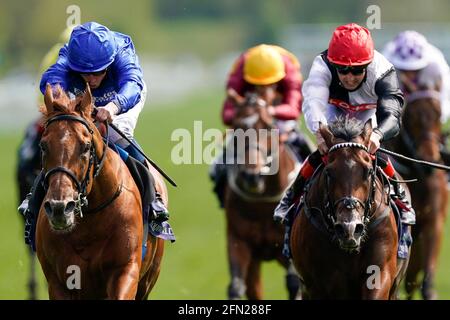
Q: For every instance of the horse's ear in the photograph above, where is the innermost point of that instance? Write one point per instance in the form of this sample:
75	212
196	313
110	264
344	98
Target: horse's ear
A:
85	105
48	98
326	134
367	132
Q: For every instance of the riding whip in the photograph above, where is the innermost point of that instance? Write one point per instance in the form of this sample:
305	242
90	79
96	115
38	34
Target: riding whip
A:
423	162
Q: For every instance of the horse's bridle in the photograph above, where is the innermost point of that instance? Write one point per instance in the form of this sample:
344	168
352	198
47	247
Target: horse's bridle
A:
94	162
350	202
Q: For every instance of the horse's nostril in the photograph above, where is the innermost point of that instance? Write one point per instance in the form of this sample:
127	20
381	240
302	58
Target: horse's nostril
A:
359	229
48	207
58	207
70	206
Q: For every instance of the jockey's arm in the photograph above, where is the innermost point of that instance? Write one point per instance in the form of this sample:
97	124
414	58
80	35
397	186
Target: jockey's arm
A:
389	105
128	96
292	97
444	71
228	112
445	88
445	97
129	79
315	94
237	83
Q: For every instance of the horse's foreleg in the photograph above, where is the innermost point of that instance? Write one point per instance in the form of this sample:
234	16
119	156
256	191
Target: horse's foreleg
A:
148	280
57	290
293	283
239	260
123	282
254	284
414	267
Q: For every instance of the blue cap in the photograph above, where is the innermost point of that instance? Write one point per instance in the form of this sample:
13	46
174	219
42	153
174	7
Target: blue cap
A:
92	48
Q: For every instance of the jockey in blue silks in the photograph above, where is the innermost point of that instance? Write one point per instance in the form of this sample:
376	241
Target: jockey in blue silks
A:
107	62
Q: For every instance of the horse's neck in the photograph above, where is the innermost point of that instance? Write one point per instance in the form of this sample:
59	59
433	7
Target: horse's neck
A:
316	195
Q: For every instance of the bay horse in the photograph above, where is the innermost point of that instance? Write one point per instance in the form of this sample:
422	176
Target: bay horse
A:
27	169
420	139
91	218
344	238
251	195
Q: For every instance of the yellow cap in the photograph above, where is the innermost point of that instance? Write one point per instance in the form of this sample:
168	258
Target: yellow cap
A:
263	65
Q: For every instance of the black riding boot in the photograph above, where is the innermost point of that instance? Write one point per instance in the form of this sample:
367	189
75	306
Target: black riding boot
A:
286	203
408	215
160	211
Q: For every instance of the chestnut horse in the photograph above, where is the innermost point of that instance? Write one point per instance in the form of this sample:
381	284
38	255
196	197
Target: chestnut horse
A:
344	239
251	195
90	227
420	139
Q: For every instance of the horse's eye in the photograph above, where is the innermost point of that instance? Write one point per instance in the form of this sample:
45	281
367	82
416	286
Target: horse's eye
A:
43	146
366	173
86	147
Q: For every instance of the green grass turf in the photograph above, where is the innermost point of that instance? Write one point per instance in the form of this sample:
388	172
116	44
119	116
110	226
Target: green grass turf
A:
195	266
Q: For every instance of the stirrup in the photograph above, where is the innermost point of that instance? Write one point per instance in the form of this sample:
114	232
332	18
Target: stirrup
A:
288	201
160	212
280	216
23	208
407	213
281	211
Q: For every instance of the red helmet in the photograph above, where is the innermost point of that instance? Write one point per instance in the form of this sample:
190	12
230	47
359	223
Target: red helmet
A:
351	45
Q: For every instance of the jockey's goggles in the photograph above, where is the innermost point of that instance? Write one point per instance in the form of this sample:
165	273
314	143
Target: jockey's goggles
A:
358	70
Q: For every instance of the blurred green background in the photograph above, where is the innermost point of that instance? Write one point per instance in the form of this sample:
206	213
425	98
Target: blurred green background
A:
186	48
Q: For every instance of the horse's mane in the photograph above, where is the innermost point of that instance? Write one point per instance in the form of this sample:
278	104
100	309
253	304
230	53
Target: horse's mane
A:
346	128
61	103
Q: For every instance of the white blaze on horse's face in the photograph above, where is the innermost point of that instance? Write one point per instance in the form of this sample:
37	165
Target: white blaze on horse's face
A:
348	203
